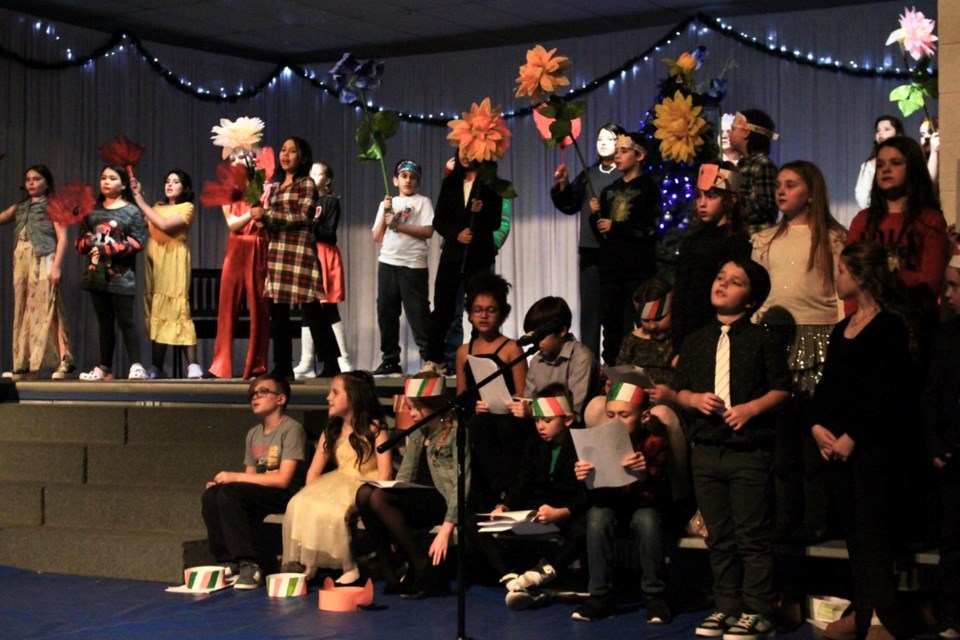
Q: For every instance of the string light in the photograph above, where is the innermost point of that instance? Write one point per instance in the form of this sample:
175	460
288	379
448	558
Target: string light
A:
769	46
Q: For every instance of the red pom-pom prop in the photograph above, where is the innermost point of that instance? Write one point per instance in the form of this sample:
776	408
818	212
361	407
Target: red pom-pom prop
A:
122	151
230	188
70	203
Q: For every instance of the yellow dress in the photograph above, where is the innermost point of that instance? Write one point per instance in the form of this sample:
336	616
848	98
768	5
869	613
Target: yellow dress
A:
167	281
315	531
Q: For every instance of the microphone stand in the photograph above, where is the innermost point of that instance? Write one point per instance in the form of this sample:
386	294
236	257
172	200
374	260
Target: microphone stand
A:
456	404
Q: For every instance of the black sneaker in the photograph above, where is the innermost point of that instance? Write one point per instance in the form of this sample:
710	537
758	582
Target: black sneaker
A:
715	624
250	577
658	611
391	369
595	608
750	626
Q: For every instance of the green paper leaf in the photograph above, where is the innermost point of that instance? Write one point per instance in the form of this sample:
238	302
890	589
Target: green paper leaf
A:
385	123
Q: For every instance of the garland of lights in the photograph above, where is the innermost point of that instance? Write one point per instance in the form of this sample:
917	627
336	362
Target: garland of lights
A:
117	42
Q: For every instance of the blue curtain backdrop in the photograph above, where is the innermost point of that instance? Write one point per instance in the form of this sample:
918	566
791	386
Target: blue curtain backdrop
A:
60	117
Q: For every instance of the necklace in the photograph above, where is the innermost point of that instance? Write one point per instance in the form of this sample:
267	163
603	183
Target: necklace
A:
606	171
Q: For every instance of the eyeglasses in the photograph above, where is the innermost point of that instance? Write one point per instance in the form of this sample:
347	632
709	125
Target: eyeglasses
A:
262	393
479	311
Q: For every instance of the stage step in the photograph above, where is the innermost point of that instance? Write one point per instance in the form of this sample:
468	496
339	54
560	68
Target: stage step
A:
105	552
175	465
123	508
21	503
55	423
36	462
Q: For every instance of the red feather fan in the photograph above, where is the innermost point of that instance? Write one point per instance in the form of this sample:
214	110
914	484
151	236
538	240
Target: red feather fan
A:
122	151
70	203
230	188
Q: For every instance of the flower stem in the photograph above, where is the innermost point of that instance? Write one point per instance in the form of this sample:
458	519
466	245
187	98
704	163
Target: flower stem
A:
383	166
923	104
586	168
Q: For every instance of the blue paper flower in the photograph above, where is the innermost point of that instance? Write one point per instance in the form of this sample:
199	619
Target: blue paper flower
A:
352	76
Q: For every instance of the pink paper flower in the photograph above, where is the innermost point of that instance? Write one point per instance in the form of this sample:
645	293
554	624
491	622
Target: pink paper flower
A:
915	34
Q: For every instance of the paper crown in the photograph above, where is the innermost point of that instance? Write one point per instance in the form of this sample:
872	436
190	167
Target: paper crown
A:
712	176
658	309
551	407
626	392
955	257
334	598
424	387
286	585
204	579
740	120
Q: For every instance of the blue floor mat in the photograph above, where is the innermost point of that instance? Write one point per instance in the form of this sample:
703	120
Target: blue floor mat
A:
34	605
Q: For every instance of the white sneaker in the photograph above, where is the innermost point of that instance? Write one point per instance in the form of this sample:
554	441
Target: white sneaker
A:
344	364
137	372
194	371
536	577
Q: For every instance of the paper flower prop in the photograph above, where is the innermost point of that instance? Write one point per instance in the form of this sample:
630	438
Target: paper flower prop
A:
681	70
915	36
241	136
230	188
543	126
352	79
543	73
70	203
480	135
679	127
122	151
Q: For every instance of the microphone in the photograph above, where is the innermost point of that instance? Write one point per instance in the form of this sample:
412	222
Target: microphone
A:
534	337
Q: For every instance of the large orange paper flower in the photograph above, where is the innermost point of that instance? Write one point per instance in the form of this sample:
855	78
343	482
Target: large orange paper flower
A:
481	135
542	73
679	126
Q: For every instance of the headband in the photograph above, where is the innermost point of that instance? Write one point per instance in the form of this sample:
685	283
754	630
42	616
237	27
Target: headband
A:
626	142
712	176
658	309
424	387
551	407
740	120
955	257
407	165
626	392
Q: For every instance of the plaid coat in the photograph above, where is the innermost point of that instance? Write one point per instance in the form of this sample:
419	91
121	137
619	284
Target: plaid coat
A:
293	271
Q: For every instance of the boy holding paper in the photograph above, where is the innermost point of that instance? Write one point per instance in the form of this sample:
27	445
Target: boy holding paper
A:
639	503
732	377
546	484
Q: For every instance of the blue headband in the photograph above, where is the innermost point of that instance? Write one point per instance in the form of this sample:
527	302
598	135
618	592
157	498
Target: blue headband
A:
407	165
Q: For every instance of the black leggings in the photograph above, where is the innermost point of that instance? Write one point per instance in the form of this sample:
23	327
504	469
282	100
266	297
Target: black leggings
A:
113	308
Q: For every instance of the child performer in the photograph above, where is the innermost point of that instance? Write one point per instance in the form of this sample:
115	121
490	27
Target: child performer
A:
40	336
866	395
546	483
717	232
750	136
801	255
234	501
573	198
639	504
391	516
166	294
403	228
560	358
941	424
625	228
883	127
315	532
242	279
468	213
732	377
111	236
326	219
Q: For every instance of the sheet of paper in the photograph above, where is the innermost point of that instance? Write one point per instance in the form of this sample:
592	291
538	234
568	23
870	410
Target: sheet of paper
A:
495	392
393	484
629	373
605	446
